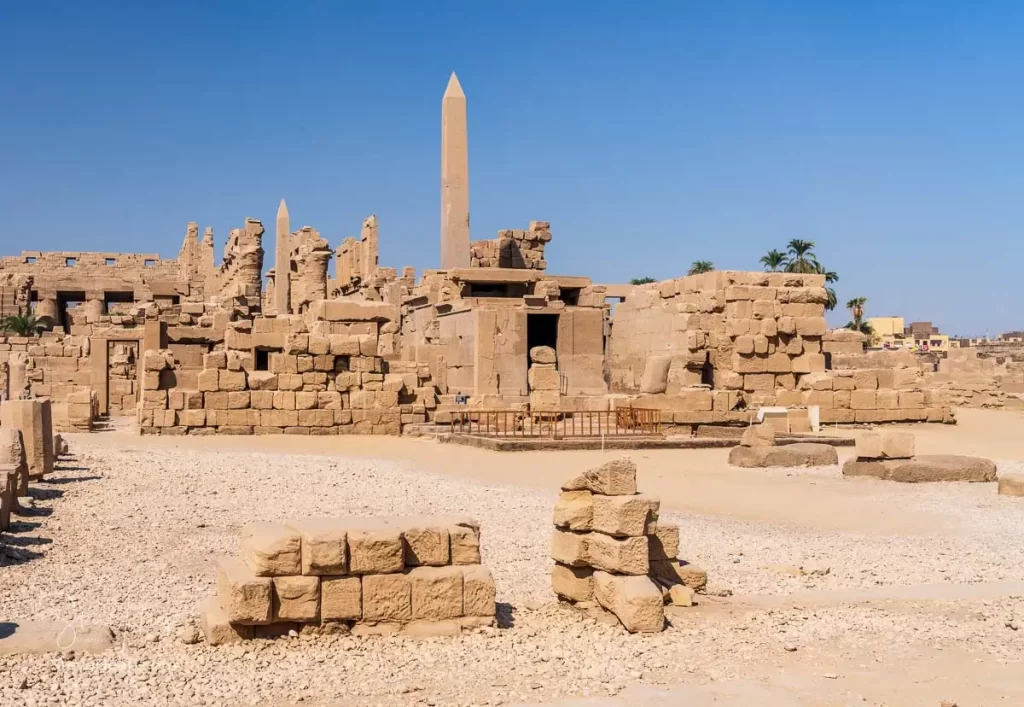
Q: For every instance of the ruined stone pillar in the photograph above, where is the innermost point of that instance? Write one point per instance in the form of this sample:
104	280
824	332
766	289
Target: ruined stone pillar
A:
33	418
17	375
46	307
282	262
368	241
454	178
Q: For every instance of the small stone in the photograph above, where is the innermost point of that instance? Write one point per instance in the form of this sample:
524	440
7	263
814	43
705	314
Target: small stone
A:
189	635
789	648
830	676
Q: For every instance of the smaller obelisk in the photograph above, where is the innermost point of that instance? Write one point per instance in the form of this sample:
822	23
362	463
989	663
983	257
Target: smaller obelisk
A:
454	178
282	262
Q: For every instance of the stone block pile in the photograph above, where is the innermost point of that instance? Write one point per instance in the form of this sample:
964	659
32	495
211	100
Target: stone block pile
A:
418	576
890	455
512	248
544	380
610	548
757	449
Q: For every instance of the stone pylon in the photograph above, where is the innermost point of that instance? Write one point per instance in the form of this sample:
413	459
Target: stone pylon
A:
282	262
454	178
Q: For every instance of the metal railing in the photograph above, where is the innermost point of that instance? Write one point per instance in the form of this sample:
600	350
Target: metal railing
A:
562	424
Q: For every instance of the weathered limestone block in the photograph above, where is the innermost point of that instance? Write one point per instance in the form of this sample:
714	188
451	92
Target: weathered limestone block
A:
663	544
375	551
885	445
244	597
426	545
636	602
1011	483
33	419
802	454
678	571
621	555
613	478
628	516
543	377
341	598
542	354
759	435
478	591
465	545
575	510
655	376
387	597
296	598
573	583
216	626
270	550
436	592
324	545
924	468
60	446
569	548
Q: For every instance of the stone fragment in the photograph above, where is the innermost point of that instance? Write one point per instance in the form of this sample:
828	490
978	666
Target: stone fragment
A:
33	419
680	572
216	627
341	599
573	583
436	592
680	595
296	598
387	598
760	435
569	548
542	355
801	454
12	453
425	628
897	445
636	602
625	516
868	445
924	468
575	510
375	551
244	597
271	549
1011	483
324	545
478	591
613	478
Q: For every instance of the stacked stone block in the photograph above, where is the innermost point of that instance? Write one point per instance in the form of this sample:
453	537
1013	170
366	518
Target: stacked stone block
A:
326	374
610	548
891	456
544	380
515	249
410	575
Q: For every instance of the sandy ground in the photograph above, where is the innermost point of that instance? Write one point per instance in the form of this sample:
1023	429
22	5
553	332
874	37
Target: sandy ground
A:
921	602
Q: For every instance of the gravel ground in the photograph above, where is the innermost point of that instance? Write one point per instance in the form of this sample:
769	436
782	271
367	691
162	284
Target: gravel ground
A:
133	534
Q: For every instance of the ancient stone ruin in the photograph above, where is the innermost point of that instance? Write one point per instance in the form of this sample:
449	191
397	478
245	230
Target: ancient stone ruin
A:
419	576
758	449
890	456
304	345
610	549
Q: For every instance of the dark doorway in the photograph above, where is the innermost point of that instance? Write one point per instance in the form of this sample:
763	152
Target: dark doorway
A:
118	302
707	375
541	330
66	303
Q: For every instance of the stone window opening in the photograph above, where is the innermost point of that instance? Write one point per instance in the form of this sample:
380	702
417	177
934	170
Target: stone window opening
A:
30	260
148	262
110	261
70	262
262	357
342	364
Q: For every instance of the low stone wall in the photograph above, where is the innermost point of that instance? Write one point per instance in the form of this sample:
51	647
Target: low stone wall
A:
409	575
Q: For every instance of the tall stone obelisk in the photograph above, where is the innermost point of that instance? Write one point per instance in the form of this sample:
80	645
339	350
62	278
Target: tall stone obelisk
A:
454	178
282	262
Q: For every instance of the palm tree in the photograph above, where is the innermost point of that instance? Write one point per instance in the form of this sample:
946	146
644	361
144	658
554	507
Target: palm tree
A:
863	328
701	266
773	260
24	324
830	277
800	257
641	280
856	307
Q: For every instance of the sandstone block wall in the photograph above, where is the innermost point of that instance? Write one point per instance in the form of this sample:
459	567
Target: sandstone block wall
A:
409	575
323	374
515	249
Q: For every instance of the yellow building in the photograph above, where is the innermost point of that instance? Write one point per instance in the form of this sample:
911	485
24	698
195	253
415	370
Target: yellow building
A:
887	332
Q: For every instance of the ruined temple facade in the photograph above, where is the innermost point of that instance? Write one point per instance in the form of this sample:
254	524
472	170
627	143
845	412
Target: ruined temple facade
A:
190	346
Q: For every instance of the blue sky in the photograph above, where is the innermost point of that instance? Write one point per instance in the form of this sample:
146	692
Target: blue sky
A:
650	134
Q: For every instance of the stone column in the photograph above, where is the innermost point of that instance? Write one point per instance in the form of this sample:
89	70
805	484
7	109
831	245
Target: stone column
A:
454	178
282	262
47	307
17	375
99	359
34	420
